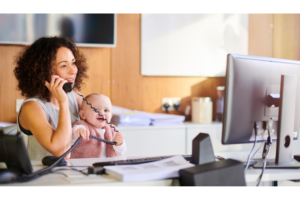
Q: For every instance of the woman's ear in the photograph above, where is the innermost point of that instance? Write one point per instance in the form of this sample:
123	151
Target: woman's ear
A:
81	114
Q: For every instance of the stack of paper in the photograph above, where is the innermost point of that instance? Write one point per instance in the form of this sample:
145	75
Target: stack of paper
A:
159	119
131	120
162	169
116	110
126	117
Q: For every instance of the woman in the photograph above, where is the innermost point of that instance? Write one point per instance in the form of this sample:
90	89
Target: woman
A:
47	113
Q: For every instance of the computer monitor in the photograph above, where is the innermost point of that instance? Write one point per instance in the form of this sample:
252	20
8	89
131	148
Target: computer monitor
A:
13	153
249	82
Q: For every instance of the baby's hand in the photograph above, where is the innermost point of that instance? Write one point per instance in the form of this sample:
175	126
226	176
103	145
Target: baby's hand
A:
84	133
119	138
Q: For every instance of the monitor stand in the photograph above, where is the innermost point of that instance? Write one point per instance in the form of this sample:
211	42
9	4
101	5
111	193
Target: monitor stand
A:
284	157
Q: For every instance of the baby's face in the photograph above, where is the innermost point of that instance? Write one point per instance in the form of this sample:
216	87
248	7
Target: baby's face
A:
103	104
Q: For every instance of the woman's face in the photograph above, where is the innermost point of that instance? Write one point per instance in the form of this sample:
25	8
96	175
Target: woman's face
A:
64	64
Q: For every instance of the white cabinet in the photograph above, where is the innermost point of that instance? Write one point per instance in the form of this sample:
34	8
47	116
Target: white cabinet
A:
155	140
174	140
215	132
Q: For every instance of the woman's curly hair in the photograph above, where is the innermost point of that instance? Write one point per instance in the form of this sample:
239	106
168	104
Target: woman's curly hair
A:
34	66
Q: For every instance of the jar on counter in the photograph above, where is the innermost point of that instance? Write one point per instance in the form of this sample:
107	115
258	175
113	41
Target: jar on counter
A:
202	110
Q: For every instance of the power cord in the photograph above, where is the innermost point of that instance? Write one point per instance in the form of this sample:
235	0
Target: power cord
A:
28	177
166	106
176	105
48	170
256	151
269	143
74	169
255	140
102	140
54	172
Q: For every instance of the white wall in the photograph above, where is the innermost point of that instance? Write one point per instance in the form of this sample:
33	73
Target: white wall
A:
191	44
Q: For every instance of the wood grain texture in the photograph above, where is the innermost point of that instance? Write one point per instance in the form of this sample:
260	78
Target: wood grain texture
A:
127	81
99	72
261	35
286	36
8	83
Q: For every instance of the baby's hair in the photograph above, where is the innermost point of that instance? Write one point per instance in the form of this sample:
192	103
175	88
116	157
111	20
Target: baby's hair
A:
90	95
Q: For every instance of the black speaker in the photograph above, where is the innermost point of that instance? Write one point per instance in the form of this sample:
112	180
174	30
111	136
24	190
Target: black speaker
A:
202	150
227	172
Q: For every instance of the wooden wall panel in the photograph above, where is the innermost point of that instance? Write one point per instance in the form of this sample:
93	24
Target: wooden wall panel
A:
261	35
126	79
287	36
99	61
8	83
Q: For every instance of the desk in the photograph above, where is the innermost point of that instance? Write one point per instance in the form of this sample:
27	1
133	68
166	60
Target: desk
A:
76	178
269	175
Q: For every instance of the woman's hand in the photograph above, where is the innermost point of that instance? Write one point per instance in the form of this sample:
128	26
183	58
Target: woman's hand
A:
84	133
55	87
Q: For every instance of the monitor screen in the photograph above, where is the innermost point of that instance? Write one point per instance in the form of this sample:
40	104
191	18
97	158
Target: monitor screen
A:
249	81
91	30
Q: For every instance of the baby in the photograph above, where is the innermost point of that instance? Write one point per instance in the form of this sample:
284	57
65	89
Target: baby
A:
92	124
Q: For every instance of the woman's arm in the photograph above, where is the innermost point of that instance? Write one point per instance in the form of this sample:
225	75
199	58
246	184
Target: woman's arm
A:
33	117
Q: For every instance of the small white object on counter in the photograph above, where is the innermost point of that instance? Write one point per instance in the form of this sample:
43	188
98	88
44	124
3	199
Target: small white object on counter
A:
202	110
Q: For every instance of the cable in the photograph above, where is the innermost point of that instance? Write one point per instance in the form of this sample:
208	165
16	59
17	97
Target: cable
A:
256	150
22	179
102	140
27	177
54	172
255	132
47	170
81	171
262	172
10	131
269	143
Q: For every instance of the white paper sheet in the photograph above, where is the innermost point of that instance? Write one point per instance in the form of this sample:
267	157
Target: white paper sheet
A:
162	169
